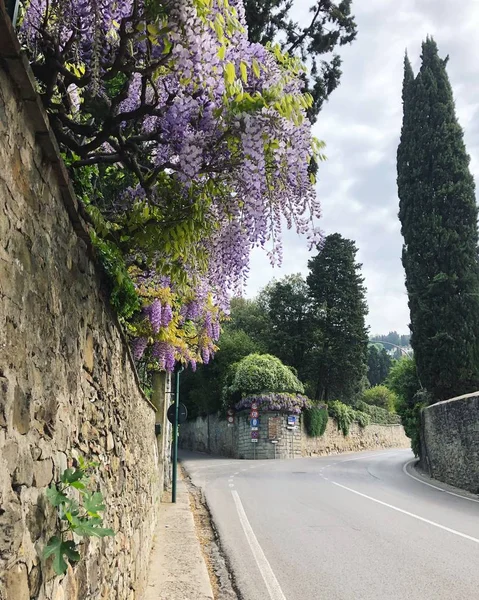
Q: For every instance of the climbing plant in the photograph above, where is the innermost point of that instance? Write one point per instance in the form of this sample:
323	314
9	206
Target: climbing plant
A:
188	145
80	516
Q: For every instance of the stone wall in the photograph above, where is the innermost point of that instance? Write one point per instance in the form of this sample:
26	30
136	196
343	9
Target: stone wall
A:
450	444
213	435
371	437
68	386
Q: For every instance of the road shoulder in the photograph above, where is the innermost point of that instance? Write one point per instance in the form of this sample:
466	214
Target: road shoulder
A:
412	469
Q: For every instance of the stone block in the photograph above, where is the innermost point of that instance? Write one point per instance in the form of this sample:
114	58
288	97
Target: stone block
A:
16	583
42	472
21	411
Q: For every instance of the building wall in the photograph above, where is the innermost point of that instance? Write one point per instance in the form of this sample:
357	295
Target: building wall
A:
68	385
450	445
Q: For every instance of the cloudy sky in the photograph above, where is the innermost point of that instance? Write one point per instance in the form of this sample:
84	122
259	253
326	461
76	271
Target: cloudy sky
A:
361	126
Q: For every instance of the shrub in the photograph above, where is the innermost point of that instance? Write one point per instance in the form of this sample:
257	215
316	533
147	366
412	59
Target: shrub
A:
260	373
316	420
344	415
379	415
380	396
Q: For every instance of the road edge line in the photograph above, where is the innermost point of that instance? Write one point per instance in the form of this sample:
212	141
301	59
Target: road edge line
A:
436	487
272	584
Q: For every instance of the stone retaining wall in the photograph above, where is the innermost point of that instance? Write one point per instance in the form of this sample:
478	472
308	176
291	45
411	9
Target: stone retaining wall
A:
450	444
213	435
68	386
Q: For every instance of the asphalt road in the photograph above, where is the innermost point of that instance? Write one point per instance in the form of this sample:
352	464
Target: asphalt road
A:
348	527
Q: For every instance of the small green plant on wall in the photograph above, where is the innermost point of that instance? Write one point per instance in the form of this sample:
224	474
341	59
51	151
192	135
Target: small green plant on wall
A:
81	517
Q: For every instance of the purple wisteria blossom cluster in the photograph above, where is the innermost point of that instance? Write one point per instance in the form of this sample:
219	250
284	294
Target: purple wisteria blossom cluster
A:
212	128
276	402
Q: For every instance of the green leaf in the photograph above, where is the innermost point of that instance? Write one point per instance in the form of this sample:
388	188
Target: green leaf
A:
71	475
58	549
55	497
256	69
94	503
230	73
91	528
244	72
222	52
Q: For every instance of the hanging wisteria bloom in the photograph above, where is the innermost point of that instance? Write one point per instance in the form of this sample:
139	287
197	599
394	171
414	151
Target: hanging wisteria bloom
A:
199	140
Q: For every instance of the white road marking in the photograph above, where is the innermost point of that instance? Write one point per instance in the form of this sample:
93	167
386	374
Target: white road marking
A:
231	485
434	486
237	473
274	589
409	514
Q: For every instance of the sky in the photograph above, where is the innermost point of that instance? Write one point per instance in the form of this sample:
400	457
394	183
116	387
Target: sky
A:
361	125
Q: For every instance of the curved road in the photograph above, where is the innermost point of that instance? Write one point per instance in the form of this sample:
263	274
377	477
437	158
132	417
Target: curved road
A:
347	527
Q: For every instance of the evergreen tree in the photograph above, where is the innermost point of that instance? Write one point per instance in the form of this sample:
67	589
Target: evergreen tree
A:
438	215
287	305
379	364
338	296
331	25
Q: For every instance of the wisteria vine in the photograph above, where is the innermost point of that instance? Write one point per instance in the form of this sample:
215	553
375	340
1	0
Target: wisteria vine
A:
194	144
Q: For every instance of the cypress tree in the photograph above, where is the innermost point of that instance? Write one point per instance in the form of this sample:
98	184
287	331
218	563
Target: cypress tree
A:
438	216
339	309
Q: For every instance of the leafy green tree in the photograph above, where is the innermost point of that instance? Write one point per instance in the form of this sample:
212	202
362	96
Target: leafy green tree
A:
288	308
379	363
201	391
251	317
381	396
339	310
438	215
411	398
331	25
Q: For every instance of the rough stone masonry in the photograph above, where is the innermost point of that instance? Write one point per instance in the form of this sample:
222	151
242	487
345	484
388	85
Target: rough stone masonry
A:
67	381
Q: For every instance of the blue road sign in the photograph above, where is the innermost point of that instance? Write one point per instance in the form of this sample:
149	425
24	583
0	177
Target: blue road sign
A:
254	422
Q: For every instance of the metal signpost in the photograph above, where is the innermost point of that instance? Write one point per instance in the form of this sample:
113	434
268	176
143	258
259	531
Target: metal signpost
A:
175	413
254	424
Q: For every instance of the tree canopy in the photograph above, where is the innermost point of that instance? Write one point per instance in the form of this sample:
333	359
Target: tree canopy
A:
438	214
330	25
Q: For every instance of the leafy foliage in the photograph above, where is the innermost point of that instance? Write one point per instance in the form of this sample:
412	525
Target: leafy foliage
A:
188	145
81	518
381	396
316	420
331	25
202	390
404	381
288	308
259	373
379	415
379	363
438	214
344	416
339	305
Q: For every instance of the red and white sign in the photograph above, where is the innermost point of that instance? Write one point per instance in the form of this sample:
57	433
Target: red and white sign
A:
253	414
231	419
254	435
254	406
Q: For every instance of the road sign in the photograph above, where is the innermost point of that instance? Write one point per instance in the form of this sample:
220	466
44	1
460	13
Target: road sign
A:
254	435
254	429
291	420
230	412
254	406
253	414
254	422
182	413
231	419
254	440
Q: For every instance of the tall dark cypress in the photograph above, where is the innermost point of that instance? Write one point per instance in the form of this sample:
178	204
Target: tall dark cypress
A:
438	215
339	358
